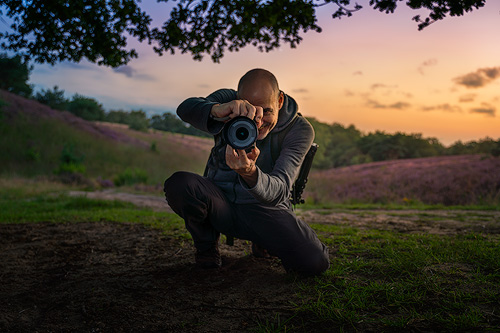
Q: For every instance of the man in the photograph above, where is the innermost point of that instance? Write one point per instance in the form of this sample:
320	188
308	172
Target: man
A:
246	195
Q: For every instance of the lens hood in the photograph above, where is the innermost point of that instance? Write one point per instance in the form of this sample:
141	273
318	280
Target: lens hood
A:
240	132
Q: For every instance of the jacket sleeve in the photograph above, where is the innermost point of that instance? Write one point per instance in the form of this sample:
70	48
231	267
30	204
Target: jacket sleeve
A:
196	110
274	187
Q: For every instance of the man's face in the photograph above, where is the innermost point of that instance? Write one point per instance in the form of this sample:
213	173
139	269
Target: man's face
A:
271	102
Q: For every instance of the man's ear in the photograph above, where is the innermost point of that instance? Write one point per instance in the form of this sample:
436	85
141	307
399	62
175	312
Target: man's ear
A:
281	99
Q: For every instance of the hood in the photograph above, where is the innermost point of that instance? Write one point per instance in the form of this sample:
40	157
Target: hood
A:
287	113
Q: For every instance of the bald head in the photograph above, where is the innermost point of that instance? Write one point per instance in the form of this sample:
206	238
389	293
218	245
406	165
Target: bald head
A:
260	88
257	81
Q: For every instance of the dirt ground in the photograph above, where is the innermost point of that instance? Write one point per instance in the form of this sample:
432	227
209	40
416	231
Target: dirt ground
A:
107	277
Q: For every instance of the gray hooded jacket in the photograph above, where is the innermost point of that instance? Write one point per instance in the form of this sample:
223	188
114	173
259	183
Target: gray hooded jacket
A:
275	175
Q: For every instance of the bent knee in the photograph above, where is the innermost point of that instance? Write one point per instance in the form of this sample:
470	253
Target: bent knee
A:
176	180
177	187
311	260
317	264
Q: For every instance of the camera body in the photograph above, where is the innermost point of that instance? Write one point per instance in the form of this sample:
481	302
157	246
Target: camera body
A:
240	132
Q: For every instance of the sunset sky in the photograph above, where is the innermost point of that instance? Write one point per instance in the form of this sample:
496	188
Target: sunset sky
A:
373	70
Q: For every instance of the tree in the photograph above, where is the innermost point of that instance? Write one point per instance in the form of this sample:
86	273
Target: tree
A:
117	116
482	146
14	75
53	98
86	108
138	120
57	30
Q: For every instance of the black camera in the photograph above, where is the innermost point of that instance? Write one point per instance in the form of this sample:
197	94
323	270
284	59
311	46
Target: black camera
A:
240	132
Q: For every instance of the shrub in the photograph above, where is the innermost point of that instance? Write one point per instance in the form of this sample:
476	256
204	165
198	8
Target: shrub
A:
53	98
138	121
131	177
86	108
33	154
70	168
154	147
71	161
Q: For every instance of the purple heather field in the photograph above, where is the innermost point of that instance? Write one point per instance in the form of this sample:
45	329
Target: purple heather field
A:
447	180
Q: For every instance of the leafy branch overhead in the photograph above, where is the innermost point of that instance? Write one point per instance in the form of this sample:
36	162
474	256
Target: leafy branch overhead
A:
98	30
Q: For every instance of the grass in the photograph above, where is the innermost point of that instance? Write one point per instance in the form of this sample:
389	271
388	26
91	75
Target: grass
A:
380	281
396	206
22	202
385	281
31	148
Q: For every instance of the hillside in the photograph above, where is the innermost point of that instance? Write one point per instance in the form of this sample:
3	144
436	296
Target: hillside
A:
37	140
19	106
448	180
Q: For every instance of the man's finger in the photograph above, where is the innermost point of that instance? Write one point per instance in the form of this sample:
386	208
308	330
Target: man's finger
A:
242	154
250	111
253	154
259	114
242	108
231	152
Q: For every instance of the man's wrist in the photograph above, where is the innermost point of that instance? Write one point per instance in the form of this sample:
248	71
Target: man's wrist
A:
251	176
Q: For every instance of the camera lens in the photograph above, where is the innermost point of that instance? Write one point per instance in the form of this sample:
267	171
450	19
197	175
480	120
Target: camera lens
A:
242	133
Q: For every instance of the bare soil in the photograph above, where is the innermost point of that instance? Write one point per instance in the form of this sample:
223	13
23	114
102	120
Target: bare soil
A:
106	277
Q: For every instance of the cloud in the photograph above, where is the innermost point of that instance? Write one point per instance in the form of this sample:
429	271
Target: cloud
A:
387	89
357	73
467	98
204	86
379	86
348	93
427	63
479	78
406	94
376	105
300	91
442	107
486	109
128	71
79	65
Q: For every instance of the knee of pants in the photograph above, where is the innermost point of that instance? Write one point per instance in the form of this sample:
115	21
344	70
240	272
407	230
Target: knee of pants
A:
177	186
309	260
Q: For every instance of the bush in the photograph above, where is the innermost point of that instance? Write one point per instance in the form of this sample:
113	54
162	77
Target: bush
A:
70	168
131	177
53	98
71	161
86	108
154	147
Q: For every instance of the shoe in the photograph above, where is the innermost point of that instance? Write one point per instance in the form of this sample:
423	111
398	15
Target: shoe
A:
209	258
259	252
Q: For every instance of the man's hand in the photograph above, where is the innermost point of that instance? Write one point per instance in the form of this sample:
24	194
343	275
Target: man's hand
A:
238	107
243	163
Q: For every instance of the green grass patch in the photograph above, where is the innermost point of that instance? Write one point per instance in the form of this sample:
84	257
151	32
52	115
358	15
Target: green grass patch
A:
18	207
386	281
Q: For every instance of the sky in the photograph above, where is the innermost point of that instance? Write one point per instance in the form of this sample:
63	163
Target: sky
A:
373	70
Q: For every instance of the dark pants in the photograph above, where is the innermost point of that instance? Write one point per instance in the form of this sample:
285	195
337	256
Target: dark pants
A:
207	213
